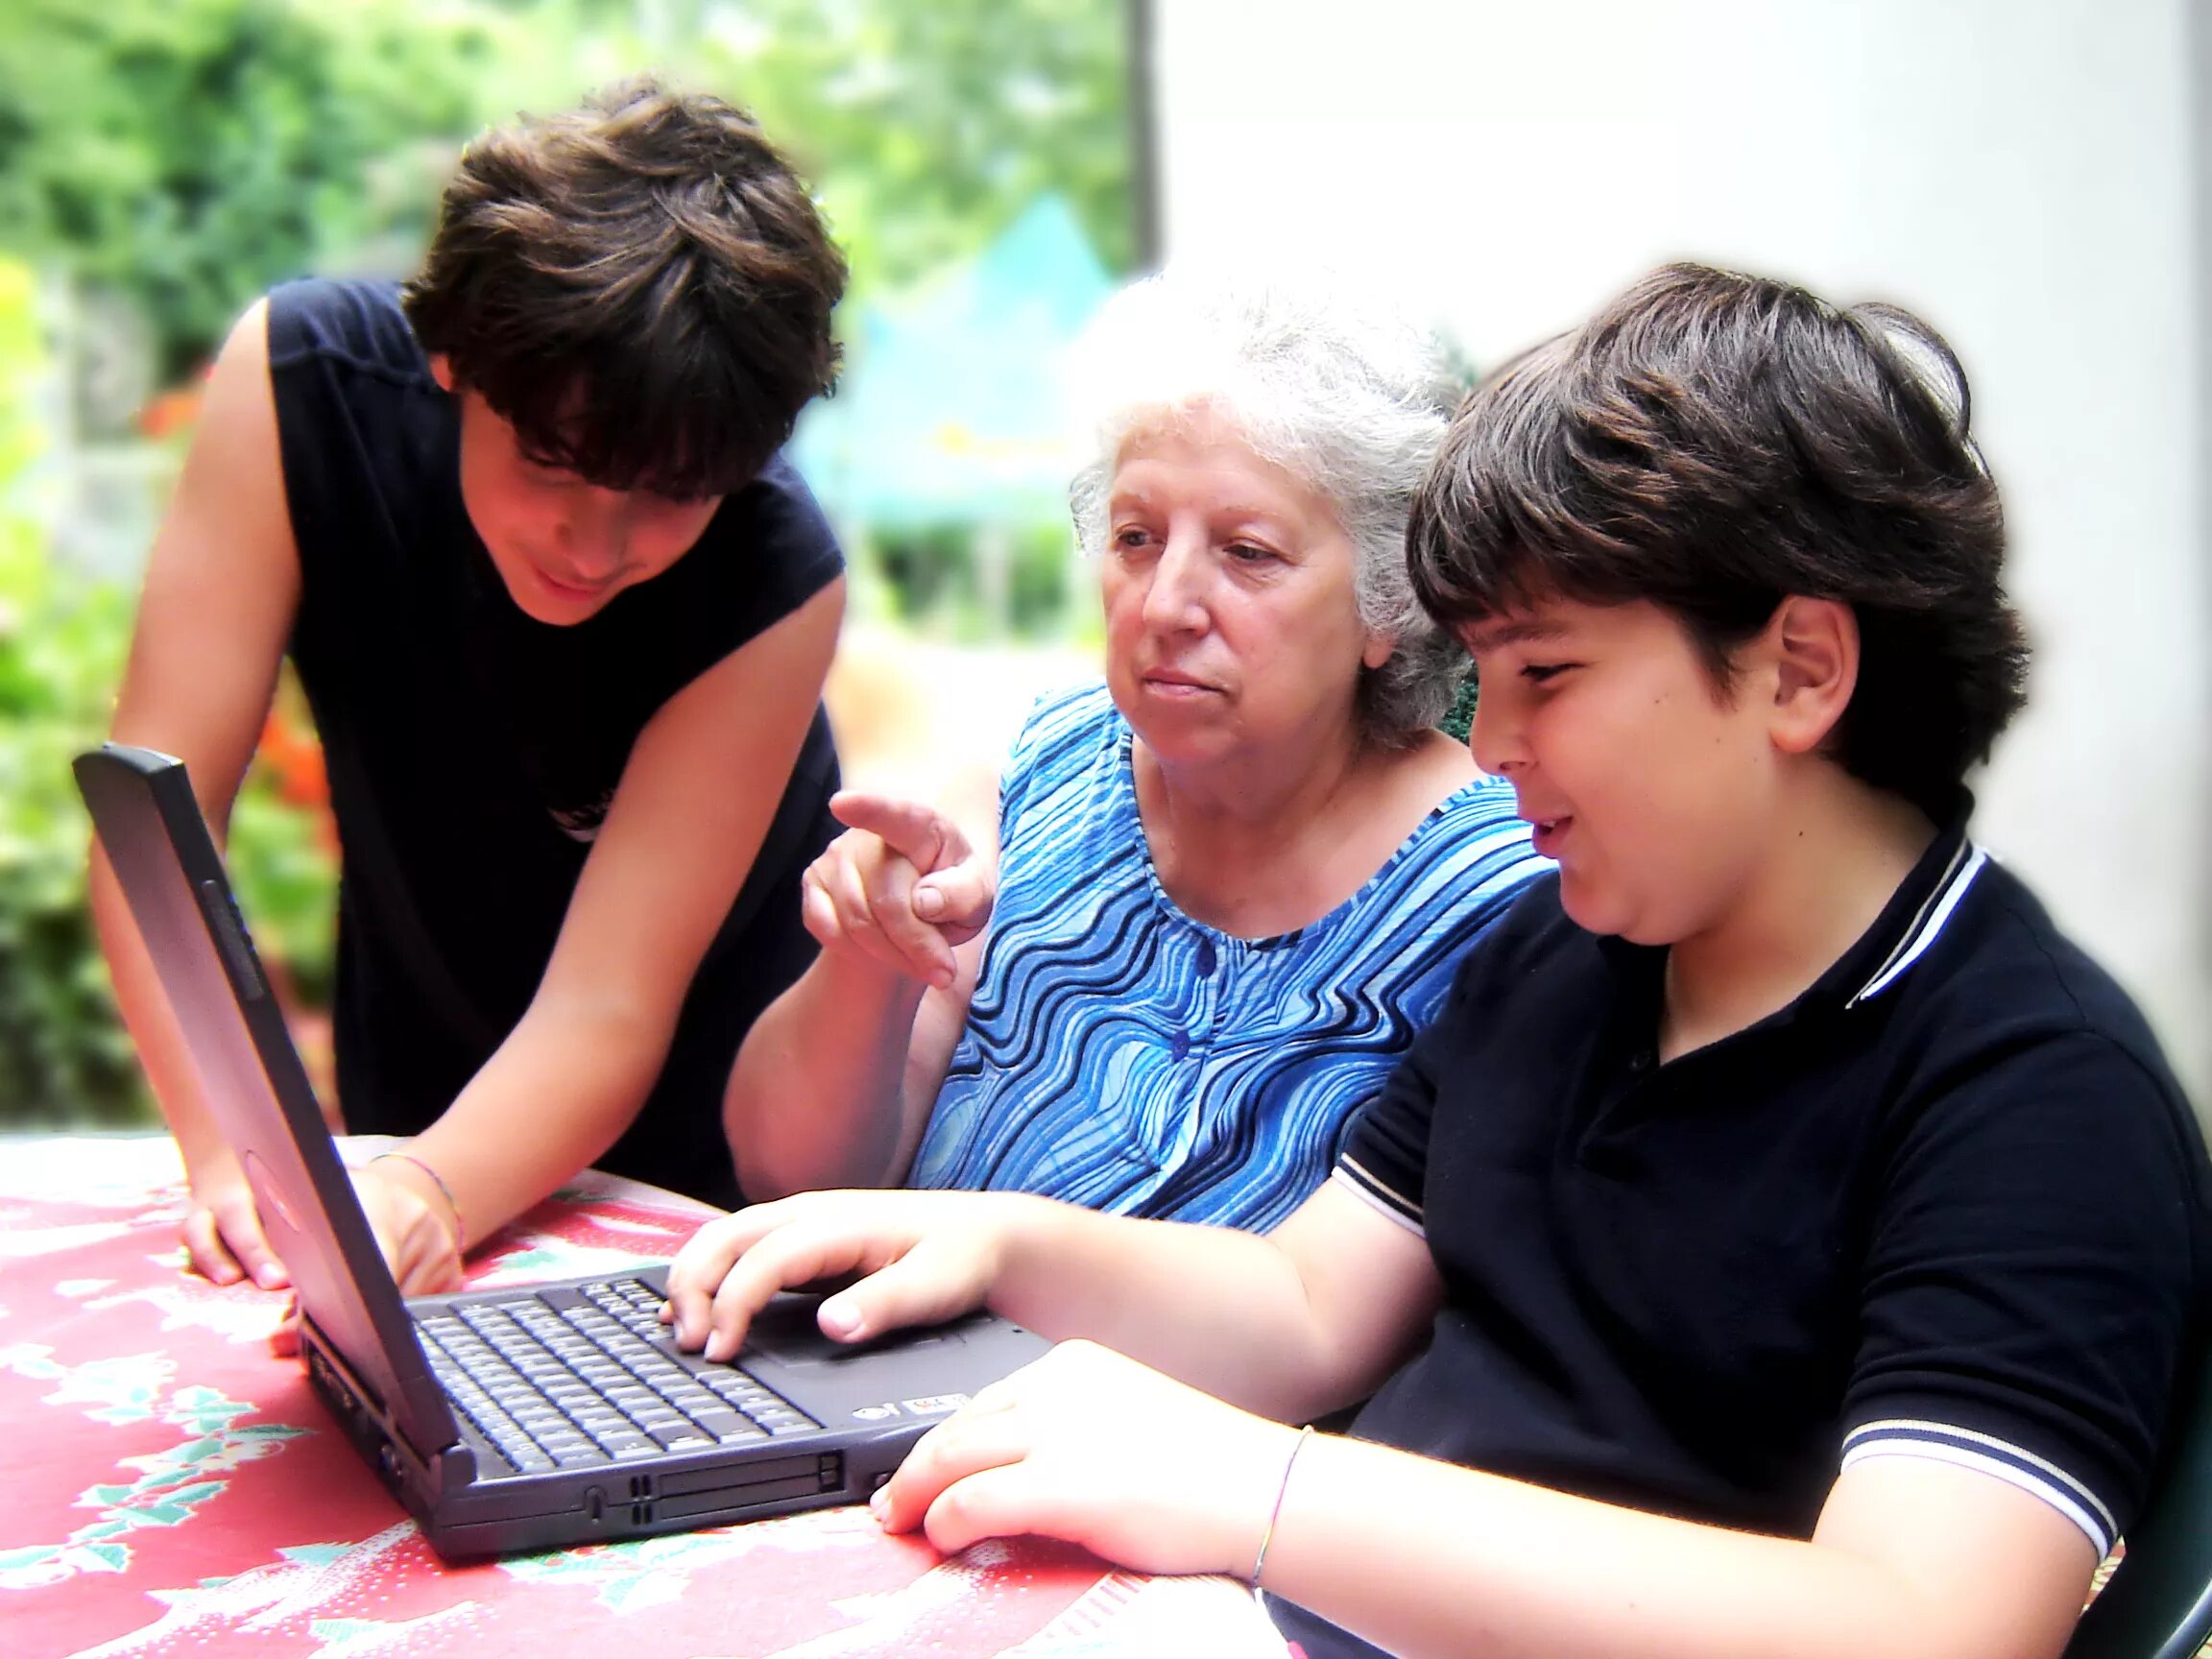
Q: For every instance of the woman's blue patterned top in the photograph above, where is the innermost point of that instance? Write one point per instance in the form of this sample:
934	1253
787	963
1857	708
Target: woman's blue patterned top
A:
1120	1055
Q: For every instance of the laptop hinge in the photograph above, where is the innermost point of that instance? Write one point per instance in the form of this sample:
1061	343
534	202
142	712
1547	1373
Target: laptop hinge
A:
450	1467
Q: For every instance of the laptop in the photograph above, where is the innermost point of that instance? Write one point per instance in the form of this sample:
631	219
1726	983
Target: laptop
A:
528	1418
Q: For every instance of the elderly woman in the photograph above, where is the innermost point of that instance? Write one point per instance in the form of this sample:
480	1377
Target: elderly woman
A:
1228	884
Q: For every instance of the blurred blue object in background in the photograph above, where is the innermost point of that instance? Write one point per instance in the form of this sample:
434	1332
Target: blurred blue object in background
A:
953	411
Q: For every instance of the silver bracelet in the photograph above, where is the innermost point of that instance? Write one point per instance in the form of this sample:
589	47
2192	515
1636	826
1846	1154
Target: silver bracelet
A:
1281	1492
460	1231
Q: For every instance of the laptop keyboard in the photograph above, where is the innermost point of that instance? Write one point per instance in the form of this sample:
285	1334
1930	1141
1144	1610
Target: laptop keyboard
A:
588	1380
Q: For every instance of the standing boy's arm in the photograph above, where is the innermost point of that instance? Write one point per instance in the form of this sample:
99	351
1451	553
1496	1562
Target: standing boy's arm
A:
687	818
220	589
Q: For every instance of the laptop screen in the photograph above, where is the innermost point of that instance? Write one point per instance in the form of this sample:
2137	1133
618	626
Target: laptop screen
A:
157	842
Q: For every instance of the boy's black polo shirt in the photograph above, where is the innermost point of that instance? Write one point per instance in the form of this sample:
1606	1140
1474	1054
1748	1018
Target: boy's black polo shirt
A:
1950	1202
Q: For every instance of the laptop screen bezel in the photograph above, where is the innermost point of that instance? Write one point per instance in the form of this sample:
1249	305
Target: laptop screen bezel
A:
157	843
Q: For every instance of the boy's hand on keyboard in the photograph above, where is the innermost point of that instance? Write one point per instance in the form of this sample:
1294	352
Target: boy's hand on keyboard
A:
919	1257
414	1229
1091	1446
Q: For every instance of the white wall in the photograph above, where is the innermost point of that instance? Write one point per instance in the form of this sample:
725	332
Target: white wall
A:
2017	171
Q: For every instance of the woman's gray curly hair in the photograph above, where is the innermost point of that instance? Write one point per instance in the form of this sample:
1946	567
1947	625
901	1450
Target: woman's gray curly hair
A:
1347	395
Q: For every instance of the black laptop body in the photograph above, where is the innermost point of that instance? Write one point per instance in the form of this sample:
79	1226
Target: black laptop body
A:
526	1418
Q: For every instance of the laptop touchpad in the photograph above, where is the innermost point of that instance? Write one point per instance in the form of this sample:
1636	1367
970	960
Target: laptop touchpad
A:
785	1329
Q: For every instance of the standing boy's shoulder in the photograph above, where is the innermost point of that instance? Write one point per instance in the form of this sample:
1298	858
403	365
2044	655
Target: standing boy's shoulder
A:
356	322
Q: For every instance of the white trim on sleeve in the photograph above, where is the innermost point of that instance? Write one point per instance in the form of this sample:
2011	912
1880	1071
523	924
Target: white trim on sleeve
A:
1376	1196
1970	1449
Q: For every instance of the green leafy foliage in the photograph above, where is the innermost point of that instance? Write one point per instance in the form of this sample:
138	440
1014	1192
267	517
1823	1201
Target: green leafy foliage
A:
64	635
928	127
63	1055
62	639
179	156
186	153
925	129
1459	719
938	577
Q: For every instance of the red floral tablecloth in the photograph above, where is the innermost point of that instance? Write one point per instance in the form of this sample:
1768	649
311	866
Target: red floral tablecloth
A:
171	1487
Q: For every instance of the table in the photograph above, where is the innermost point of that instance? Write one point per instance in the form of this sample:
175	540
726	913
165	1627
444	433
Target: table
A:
171	1487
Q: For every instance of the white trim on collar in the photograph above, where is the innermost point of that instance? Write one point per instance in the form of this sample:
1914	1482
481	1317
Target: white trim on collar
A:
1965	864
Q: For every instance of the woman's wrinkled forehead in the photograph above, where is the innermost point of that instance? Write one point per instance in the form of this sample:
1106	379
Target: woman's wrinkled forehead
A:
1238	476
1204	420
1212	420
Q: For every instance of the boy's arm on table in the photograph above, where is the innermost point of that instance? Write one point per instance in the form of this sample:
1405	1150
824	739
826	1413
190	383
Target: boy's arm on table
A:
220	589
1983	1235
1913	1559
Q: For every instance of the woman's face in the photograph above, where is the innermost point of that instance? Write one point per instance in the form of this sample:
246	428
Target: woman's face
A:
1232	629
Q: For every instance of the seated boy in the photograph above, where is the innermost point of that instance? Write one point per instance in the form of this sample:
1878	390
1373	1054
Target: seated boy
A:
1785	1242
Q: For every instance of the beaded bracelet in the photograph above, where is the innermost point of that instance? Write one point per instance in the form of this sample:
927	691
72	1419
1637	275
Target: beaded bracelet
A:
460	1231
1281	1492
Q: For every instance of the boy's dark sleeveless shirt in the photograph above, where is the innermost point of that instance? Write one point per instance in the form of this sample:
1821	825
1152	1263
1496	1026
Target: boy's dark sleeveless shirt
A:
471	750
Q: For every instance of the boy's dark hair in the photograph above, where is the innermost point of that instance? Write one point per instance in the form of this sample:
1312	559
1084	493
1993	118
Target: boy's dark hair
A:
643	288
1715	443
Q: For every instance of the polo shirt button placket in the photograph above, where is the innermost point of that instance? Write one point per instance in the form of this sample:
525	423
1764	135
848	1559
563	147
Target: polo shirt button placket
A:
1627	1097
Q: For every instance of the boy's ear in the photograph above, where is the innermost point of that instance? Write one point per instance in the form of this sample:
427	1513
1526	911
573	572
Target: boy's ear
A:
442	371
1813	646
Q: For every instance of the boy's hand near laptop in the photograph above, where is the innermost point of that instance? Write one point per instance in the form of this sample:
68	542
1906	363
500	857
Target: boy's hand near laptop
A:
1100	1450
1033	1454
222	1232
920	1259
416	1233
417	1228
415	1221
1276	1325
221	1229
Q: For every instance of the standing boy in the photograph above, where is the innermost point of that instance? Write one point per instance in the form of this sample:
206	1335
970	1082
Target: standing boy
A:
563	616
1785	1242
